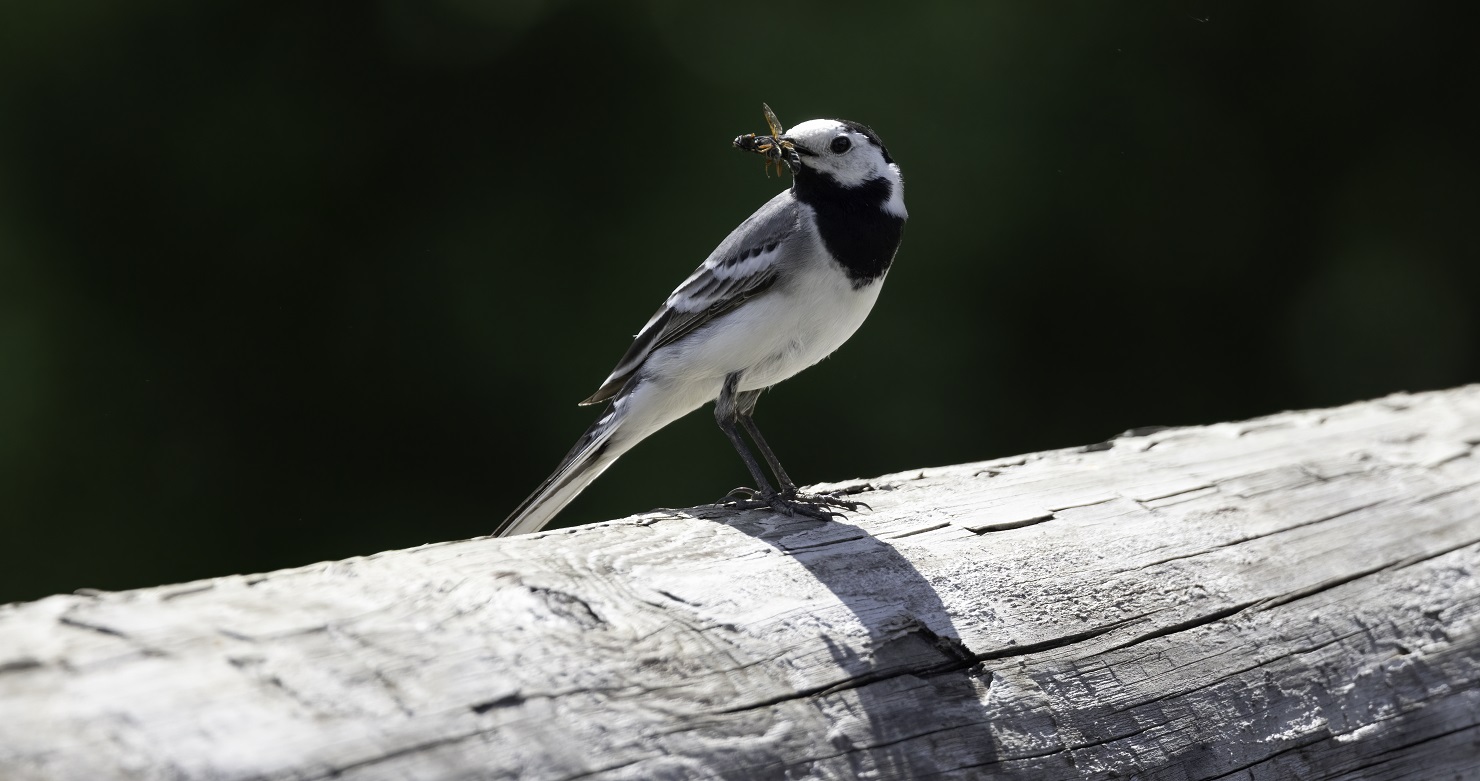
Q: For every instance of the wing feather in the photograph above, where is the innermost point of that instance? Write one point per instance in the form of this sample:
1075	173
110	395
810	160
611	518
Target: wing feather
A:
742	267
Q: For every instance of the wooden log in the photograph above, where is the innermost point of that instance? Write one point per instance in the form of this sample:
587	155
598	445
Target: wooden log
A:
1291	597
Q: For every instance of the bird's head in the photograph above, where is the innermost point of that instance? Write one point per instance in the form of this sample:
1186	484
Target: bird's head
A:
849	153
839	155
831	155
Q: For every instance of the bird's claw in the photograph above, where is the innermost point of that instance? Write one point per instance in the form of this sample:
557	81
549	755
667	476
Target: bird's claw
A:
745	491
792	502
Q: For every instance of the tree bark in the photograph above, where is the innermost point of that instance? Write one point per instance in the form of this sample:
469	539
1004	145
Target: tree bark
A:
1291	597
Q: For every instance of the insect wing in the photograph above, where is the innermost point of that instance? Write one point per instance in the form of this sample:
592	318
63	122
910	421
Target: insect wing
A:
772	121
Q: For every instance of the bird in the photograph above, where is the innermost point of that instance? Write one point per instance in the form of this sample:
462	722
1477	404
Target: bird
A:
782	291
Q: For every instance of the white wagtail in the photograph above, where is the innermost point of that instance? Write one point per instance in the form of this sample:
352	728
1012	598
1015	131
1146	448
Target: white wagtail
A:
780	293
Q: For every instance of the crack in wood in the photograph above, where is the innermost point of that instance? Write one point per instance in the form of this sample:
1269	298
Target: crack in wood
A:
1182	626
922	530
813	547
1431	739
957	657
569	606
1327	585
19	665
76	623
1059	642
1270	758
1447	492
1423	557
864	487
1229	675
1255	537
506	701
417	748
1027	519
189	591
675	598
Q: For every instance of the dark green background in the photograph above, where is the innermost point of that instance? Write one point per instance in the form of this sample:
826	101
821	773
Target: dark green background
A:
290	281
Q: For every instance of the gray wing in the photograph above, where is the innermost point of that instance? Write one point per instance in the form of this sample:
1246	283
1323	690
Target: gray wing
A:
742	267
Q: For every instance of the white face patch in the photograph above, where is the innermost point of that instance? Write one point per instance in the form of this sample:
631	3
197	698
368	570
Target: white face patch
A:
861	161
895	204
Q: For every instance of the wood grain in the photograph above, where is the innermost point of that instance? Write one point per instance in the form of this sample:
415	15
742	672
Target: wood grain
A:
1291	597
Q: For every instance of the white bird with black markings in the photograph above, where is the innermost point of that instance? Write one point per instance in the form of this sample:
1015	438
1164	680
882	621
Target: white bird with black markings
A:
783	291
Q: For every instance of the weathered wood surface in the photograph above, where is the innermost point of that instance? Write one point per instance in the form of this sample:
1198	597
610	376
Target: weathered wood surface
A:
1291	597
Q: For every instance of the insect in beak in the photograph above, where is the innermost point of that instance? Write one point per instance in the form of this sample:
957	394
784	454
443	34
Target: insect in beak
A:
774	148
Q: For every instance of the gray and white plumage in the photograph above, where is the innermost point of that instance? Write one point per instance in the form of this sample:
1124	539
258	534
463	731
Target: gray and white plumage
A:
784	290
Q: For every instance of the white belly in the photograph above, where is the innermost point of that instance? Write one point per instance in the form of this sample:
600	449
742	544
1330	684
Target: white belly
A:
766	340
771	337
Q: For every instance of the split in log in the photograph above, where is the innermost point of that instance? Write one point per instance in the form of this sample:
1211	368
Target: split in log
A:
1291	597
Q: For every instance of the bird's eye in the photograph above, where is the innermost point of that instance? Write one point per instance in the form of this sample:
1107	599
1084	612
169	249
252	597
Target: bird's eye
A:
841	144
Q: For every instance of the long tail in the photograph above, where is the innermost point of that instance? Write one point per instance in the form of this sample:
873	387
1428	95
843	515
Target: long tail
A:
592	454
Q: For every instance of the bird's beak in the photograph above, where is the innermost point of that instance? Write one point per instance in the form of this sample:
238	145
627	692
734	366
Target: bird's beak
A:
776	150
791	146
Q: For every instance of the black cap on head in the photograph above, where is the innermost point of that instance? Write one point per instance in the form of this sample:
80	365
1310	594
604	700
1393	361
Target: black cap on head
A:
867	132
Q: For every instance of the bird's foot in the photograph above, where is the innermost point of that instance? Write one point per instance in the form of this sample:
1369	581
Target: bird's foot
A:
823	507
822	501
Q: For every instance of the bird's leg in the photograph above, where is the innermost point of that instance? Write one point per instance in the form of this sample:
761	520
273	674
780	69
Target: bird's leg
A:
741	405
726	414
788	488
763	487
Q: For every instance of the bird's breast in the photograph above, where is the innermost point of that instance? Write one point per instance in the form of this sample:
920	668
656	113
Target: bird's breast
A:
805	323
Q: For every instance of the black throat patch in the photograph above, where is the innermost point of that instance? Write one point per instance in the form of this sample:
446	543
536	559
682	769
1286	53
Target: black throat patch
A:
852	221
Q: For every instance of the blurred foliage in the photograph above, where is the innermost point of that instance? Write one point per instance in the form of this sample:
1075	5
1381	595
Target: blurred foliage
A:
284	282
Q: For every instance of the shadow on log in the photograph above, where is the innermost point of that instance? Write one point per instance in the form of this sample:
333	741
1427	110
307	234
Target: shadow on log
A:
1290	597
